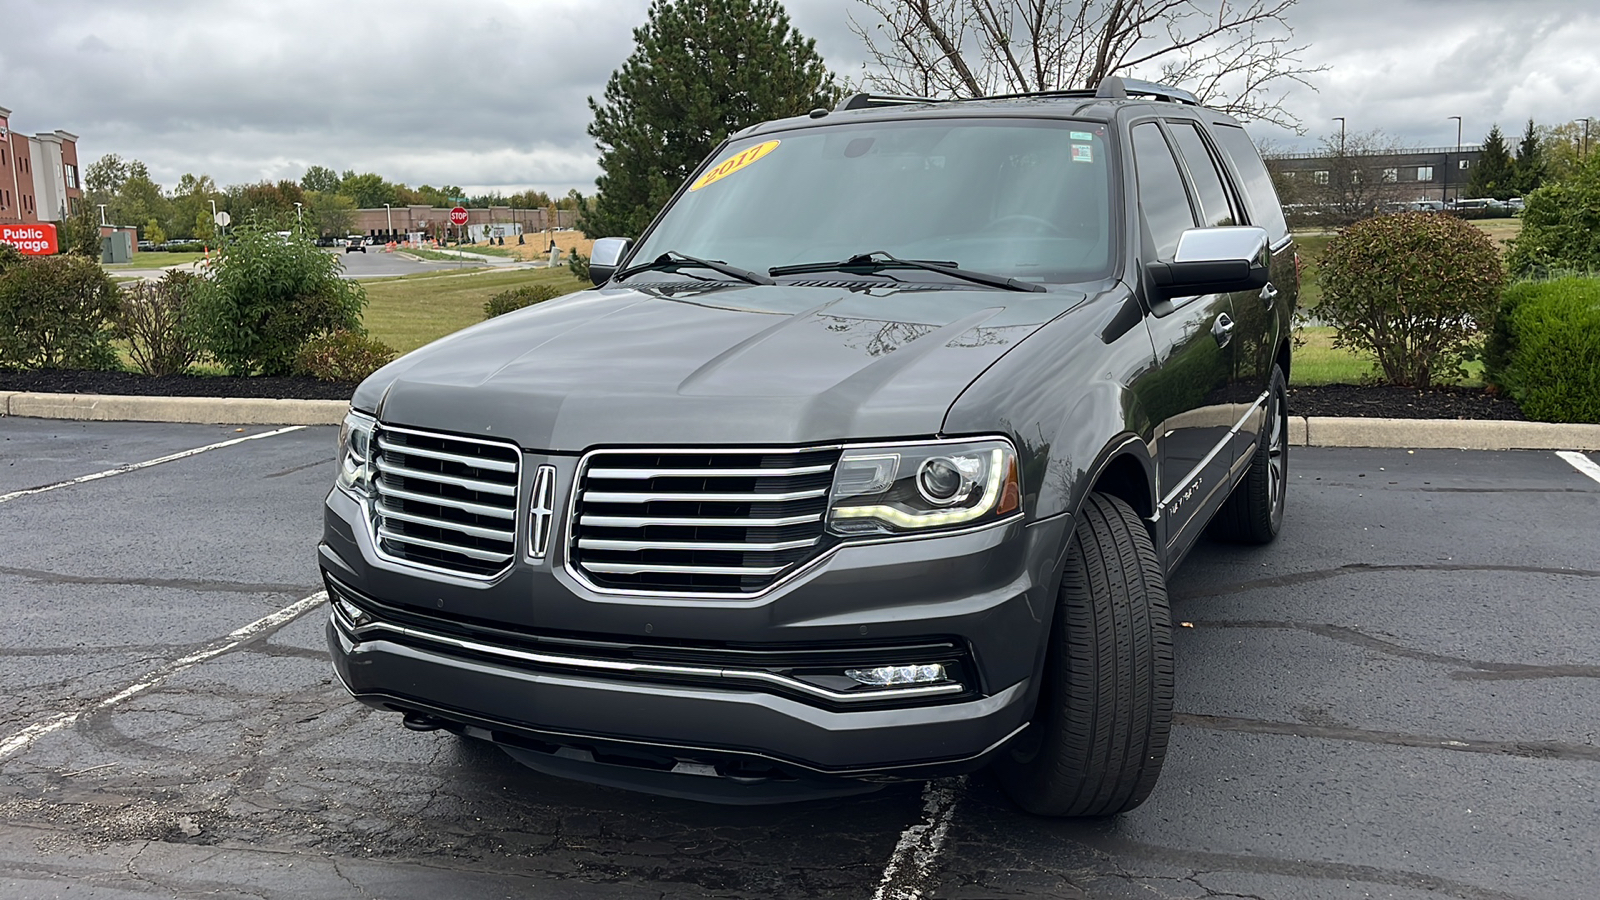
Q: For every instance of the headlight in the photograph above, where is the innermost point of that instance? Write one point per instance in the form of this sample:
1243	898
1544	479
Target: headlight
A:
910	489
355	453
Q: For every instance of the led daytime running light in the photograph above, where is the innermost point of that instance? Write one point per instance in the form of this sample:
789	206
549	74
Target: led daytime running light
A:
903	519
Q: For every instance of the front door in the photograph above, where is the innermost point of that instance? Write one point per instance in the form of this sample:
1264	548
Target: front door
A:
1188	398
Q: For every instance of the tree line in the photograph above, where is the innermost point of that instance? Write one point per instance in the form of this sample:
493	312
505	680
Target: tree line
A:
326	200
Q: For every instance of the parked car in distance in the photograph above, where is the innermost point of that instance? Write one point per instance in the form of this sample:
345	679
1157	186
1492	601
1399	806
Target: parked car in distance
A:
870	460
355	244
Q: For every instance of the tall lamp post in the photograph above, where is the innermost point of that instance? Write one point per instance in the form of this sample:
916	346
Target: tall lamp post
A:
102	212
1449	170
298	227
388	218
1341	174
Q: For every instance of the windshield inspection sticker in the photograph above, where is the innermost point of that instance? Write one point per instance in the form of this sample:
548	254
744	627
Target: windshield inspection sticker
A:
733	164
1082	153
1082	136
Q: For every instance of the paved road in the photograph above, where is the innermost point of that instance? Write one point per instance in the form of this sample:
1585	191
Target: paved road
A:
1401	698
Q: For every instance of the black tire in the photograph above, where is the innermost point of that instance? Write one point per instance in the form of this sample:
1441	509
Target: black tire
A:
1253	513
1099	734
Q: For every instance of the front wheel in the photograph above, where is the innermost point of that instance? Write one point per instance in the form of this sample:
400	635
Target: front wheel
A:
1099	736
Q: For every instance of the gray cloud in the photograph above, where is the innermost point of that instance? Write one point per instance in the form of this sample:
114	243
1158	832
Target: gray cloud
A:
491	93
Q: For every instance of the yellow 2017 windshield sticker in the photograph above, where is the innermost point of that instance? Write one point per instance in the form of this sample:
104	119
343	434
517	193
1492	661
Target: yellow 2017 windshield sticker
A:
733	164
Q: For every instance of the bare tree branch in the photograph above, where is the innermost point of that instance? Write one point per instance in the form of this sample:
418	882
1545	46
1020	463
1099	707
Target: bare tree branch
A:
1239	56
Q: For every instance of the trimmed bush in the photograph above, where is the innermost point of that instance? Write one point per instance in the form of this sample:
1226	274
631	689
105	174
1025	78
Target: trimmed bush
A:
154	317
342	356
578	265
517	298
1412	289
53	312
1560	227
1545	351
267	296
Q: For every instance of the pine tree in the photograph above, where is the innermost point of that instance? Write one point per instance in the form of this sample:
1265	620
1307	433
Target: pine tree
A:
1530	170
701	70
1493	176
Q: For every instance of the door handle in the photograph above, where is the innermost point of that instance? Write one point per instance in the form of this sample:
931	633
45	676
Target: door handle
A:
1222	329
1269	294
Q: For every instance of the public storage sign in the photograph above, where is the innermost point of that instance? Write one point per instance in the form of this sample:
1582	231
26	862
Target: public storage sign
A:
33	239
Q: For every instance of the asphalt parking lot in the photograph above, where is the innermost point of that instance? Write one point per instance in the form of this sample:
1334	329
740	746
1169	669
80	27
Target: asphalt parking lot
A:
1400	698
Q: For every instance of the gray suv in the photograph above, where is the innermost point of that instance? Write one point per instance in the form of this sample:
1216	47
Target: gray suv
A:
869	460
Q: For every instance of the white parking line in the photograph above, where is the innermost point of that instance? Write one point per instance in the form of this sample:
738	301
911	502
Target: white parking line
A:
24	738
1582	463
913	862
130	467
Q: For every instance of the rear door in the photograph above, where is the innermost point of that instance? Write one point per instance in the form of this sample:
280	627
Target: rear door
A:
1188	397
1264	316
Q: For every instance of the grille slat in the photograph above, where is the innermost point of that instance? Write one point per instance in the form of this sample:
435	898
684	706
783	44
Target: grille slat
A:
703	521
445	502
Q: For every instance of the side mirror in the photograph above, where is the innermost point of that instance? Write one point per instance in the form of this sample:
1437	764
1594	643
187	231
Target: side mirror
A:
606	256
1213	261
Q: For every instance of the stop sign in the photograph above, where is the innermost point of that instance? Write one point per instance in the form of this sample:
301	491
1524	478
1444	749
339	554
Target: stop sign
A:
458	216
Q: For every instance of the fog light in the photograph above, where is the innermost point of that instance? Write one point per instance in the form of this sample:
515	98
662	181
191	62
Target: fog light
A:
352	613
883	676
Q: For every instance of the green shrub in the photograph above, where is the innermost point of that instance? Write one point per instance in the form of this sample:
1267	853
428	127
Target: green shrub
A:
342	356
1545	351
1413	290
1560	226
578	265
155	318
517	298
267	296
53	312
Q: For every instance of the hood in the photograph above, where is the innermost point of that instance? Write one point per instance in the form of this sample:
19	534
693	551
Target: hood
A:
703	364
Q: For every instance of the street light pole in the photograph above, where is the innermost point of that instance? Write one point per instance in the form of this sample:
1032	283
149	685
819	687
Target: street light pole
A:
102	212
1448	169
298	227
388	217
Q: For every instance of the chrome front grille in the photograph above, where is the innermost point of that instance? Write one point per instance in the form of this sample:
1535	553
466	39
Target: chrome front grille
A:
445	502
699	521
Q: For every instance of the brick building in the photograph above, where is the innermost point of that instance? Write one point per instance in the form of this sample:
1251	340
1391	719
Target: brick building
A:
39	175
382	223
1422	173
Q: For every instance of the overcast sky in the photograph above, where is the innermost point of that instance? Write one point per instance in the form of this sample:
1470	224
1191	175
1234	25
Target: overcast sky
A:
490	93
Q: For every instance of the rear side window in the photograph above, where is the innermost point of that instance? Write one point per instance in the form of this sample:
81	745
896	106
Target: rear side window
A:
1162	198
1257	184
1215	209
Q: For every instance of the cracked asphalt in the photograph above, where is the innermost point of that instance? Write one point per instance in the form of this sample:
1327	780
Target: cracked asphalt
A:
1400	698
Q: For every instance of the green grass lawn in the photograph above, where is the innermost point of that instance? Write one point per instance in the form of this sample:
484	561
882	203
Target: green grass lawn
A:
155	259
450	255
1319	362
410	311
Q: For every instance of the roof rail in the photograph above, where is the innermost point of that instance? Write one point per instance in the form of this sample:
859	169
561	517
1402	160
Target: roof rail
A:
868	101
1115	87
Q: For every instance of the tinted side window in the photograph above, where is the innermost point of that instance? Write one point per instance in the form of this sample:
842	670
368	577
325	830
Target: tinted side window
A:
1214	206
1257	184
1162	198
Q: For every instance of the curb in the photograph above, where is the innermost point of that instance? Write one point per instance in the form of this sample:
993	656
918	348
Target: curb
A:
193	410
1304	431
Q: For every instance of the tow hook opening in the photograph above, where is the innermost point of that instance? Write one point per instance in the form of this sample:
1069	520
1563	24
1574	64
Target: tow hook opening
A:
415	721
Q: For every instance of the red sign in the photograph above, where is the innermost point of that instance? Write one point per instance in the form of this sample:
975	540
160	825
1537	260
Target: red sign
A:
34	239
458	216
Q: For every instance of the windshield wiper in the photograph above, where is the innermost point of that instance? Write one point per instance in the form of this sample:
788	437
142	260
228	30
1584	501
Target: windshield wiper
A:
672	261
878	260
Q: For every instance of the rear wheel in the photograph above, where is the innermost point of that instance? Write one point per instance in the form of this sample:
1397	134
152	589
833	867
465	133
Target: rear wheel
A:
1253	513
1099	736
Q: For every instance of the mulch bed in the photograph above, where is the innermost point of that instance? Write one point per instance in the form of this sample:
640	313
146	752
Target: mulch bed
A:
1362	401
77	381
1387	401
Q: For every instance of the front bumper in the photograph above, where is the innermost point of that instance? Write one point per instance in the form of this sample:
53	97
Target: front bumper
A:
535	660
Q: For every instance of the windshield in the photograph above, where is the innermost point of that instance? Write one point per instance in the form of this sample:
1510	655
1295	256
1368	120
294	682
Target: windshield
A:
1023	198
